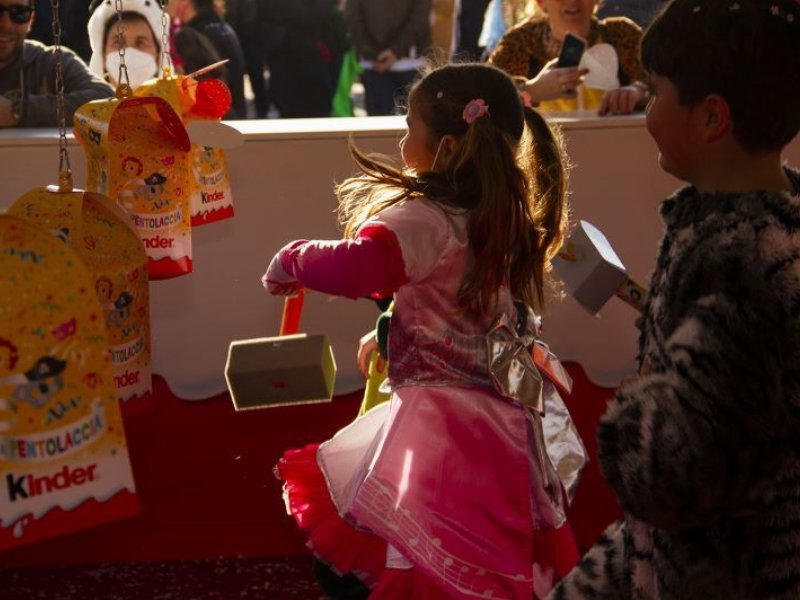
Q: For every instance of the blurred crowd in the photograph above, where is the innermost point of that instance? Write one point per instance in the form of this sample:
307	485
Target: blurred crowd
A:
299	58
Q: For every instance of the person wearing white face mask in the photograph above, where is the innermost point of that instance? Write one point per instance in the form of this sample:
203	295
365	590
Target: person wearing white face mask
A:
139	22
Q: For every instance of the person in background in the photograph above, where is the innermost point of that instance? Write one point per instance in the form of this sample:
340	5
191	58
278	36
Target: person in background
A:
27	74
529	52
243	17
390	37
190	51
201	17
140	24
306	41
469	24
703	448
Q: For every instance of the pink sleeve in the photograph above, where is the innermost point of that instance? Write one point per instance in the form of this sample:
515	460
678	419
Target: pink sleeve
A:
369	265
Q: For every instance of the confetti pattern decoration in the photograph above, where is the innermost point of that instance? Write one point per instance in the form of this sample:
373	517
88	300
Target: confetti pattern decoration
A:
95	228
63	455
138	154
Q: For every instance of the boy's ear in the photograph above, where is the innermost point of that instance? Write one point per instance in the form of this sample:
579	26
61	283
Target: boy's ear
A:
717	117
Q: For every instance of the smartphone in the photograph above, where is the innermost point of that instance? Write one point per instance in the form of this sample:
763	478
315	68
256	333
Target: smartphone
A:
571	51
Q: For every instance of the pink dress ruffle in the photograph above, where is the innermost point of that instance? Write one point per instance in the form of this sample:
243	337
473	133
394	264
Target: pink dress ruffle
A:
468	535
331	539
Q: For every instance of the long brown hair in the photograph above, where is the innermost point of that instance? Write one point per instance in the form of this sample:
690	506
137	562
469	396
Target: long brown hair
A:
506	168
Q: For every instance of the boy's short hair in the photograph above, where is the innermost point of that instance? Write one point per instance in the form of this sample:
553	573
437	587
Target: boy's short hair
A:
747	51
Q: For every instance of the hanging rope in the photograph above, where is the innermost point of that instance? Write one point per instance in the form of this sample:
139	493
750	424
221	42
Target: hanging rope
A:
64	168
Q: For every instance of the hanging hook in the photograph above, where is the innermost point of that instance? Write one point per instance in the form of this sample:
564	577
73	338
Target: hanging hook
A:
124	89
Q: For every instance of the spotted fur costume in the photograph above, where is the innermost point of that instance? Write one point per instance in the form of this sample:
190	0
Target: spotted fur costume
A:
702	449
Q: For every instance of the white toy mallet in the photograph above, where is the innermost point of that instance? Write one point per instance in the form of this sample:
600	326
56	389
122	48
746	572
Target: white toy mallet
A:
593	273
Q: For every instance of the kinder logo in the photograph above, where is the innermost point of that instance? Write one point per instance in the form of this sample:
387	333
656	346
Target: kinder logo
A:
27	486
207	197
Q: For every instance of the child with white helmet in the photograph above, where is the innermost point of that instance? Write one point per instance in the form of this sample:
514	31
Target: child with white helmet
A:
140	22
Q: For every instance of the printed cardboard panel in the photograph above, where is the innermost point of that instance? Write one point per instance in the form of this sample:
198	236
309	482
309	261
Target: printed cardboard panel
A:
100	234
137	150
210	193
63	455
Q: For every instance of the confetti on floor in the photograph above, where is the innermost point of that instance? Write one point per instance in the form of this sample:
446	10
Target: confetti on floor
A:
219	579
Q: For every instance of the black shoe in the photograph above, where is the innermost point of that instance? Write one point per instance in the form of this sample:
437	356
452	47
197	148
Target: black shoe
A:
344	587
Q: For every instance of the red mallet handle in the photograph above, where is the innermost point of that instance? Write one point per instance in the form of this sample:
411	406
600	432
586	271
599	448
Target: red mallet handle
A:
292	309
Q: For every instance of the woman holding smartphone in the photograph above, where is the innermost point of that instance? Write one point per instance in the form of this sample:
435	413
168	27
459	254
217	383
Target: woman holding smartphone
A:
530	53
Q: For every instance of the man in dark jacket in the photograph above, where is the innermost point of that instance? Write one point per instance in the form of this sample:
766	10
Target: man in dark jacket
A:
304	42
27	74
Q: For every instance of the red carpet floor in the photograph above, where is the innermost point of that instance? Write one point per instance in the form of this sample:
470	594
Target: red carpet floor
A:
211	522
220	579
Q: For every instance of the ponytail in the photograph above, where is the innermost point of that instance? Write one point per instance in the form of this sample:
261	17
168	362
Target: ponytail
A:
542	156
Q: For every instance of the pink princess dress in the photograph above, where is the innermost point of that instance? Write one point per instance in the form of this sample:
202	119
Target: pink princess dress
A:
455	488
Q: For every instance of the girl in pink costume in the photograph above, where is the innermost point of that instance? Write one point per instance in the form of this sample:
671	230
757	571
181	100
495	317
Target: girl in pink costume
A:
447	490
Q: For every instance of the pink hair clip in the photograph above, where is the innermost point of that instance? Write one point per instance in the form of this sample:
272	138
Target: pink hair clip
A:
474	109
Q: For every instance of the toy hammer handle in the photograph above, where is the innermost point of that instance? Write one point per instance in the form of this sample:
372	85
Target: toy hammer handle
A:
633	294
292	309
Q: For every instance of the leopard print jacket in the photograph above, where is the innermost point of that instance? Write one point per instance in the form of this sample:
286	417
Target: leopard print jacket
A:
703	449
523	50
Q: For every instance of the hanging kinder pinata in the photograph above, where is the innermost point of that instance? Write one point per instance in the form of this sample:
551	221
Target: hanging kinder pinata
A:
63	453
100	234
201	104
62	444
138	153
137	150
